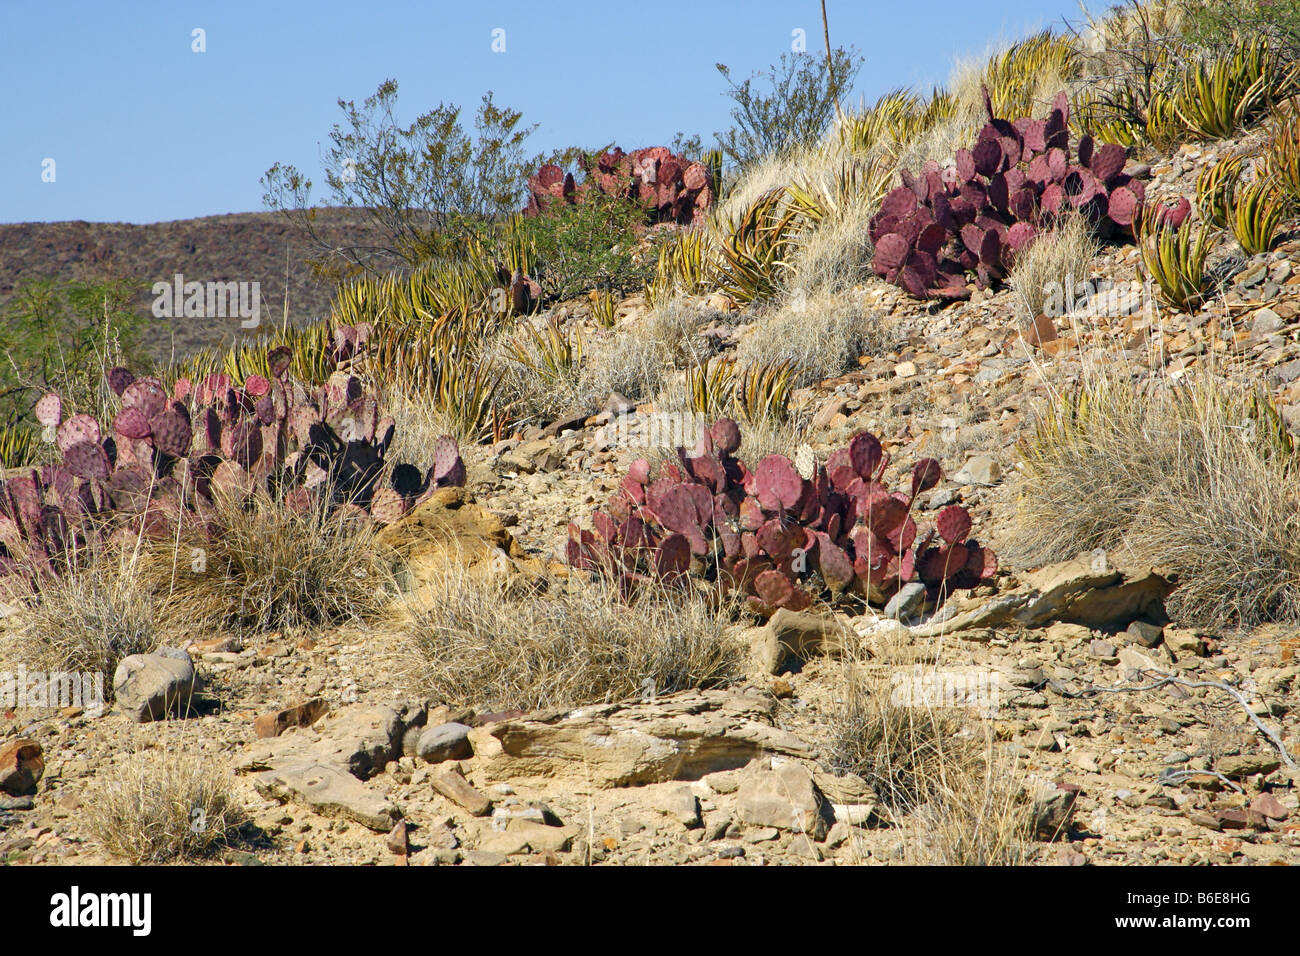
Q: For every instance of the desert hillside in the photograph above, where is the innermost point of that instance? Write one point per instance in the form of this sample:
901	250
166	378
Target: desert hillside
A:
248	247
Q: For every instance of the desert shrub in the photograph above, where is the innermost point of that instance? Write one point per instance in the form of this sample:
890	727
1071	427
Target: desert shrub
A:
61	336
1214	24
795	108
420	184
587	245
472	642
169	804
1198	478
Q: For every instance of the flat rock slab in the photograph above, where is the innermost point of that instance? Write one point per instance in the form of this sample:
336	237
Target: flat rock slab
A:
679	737
322	767
1089	590
329	790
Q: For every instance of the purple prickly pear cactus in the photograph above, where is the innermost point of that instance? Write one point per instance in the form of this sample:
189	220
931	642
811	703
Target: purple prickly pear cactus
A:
448	468
993	201
781	539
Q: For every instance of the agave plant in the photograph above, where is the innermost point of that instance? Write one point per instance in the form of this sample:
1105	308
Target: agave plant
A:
550	353
754	253
17	446
711	386
763	391
1214	188
1174	256
604	309
1257	211
1219	95
1283	158
682	268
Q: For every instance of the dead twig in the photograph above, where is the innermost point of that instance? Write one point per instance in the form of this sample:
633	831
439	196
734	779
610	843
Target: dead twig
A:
1167	679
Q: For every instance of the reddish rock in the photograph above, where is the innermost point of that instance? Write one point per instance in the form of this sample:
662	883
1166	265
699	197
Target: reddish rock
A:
299	715
22	763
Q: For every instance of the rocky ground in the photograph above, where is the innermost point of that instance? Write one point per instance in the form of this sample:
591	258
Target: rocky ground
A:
334	767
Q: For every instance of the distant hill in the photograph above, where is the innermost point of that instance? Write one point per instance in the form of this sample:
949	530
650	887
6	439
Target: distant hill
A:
259	246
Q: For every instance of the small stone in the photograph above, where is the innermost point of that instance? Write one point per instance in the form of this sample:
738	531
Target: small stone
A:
784	797
805	848
1247	765
1252	275
485	858
1265	323
680	803
1144	633
905	369
1184	642
397	839
456	789
299	715
445	742
1103	649
1269	806
907	603
723	782
979	470
1051	812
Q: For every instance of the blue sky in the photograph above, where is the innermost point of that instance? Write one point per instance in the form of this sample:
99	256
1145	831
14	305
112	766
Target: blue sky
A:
143	129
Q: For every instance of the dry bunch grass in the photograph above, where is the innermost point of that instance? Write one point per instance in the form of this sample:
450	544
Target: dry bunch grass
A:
470	641
266	567
1199	478
1062	255
819	336
958	799
169	803
87	620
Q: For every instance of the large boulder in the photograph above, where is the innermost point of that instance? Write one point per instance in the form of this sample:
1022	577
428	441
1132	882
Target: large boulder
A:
451	529
155	686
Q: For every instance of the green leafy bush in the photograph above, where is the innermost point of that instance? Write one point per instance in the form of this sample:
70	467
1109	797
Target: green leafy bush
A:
592	244
60	336
796	108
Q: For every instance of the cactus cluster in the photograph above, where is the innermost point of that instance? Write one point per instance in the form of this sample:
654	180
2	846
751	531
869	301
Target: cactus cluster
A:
782	538
671	187
168	454
977	214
